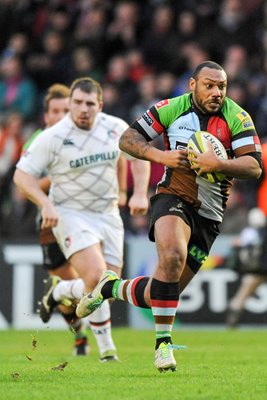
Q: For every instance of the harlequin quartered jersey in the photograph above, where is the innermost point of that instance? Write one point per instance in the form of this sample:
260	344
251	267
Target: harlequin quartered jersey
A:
81	164
177	119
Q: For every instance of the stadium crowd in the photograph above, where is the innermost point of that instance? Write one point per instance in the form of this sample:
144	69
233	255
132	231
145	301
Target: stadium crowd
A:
140	52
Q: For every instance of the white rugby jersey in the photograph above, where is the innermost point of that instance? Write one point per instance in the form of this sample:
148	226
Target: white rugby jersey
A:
81	164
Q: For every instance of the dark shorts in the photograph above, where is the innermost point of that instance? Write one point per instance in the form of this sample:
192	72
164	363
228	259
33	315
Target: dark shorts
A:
52	255
203	231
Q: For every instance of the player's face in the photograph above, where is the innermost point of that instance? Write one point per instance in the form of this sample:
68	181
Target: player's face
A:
209	89
84	108
57	109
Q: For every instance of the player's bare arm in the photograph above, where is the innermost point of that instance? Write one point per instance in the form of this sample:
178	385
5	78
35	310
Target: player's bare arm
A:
29	186
243	167
122	180
138	203
133	143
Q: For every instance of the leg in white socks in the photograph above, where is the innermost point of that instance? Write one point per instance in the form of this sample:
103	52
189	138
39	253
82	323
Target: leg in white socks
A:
101	328
73	289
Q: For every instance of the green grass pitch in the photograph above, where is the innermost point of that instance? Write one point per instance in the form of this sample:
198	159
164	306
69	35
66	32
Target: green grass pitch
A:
223	365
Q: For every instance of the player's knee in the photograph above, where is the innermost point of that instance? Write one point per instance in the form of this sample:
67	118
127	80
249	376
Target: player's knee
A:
172	260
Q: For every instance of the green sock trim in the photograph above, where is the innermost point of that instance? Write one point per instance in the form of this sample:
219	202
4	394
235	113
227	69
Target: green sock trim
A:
115	289
161	334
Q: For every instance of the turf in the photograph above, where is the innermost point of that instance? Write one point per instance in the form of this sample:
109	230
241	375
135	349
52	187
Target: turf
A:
223	365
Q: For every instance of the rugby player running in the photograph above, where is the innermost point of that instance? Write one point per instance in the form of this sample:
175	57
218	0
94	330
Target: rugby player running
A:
186	210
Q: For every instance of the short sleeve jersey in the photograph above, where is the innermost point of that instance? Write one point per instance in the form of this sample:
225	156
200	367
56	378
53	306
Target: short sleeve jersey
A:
177	119
81	164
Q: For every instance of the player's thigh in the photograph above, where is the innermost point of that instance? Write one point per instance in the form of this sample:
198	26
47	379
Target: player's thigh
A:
90	264
172	234
113	239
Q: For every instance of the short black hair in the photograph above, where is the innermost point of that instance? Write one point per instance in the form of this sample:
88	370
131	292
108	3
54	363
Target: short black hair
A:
87	85
206	64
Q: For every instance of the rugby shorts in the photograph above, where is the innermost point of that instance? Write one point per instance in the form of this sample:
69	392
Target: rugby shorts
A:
77	230
203	230
52	255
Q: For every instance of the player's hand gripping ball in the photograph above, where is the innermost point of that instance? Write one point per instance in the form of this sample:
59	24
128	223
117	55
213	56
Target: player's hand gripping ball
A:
198	142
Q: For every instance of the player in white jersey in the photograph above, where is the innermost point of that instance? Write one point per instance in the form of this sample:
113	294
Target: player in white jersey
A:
81	153
55	106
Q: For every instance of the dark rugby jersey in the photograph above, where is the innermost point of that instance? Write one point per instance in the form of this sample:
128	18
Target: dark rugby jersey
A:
177	119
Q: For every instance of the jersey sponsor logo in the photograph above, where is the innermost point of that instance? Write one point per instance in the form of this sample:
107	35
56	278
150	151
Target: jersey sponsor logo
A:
197	254
151	122
178	208
162	103
68	142
242	115
245	119
186	128
67	242
148	119
247	124
95	158
180	145
112	134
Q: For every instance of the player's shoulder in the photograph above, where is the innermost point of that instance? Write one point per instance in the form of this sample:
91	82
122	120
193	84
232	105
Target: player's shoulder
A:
231	106
31	139
104	117
59	128
183	101
171	109
235	114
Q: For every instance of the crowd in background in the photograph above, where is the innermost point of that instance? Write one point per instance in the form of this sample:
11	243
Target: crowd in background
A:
140	52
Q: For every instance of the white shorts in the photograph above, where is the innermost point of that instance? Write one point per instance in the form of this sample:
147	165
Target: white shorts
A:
78	230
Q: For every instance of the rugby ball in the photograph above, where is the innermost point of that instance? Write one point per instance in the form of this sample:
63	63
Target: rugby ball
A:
198	142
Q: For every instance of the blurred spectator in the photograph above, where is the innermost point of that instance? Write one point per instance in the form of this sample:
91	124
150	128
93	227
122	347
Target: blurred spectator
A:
187	26
237	91
147	91
18	44
137	67
90	30
59	19
261	118
17	91
261	111
193	54
83	64
236	63
166	82
112	102
236	24
49	65
118	74
160	43
255	89
10	149
124	30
